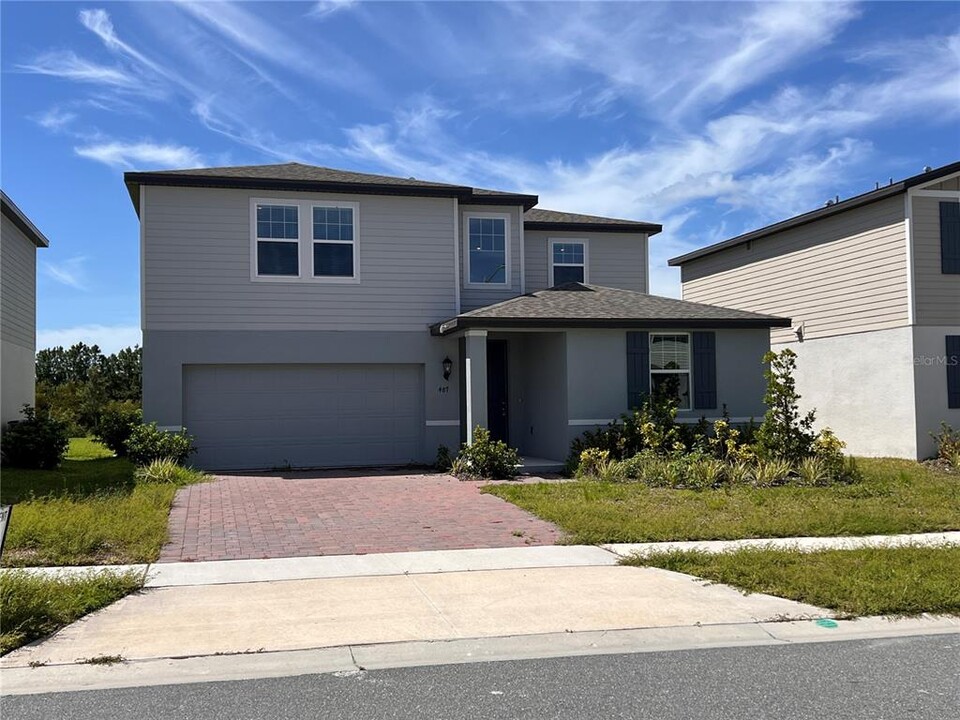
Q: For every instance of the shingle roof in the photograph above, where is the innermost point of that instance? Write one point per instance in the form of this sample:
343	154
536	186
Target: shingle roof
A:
543	219
820	213
25	224
579	305
299	177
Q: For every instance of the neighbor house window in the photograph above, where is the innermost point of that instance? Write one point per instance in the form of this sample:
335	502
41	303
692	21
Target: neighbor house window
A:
950	238
670	367
333	241
568	261
278	240
487	241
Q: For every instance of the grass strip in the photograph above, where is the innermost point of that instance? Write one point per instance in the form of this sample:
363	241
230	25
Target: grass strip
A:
867	581
33	606
895	496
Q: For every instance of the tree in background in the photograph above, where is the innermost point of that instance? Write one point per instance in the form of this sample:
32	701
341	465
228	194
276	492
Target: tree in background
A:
74	384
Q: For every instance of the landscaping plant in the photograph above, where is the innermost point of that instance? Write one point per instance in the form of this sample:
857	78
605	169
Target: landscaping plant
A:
117	421
147	443
785	433
167	472
38	441
486	458
948	445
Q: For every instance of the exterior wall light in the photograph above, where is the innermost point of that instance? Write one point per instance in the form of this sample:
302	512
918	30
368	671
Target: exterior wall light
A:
447	368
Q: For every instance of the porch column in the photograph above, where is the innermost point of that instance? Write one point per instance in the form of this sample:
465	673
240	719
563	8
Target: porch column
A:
475	350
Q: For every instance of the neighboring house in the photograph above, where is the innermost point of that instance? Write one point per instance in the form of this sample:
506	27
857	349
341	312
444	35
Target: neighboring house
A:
872	284
301	316
19	240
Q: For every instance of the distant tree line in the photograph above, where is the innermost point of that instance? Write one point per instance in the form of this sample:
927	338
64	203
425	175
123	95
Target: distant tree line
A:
75	384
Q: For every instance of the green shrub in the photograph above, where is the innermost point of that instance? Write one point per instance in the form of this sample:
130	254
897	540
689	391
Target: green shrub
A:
486	458
948	445
167	472
774	471
117	421
444	461
38	441
147	443
784	433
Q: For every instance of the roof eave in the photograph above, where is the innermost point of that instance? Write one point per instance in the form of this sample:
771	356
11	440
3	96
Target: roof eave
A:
820	213
22	222
528	201
459	323
648	229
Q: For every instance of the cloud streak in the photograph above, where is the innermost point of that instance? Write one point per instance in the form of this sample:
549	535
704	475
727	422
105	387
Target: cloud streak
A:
125	155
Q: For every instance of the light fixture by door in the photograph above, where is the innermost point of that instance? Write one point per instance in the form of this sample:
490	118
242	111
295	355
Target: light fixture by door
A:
447	368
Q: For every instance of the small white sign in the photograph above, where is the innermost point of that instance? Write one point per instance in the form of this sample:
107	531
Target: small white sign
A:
5	511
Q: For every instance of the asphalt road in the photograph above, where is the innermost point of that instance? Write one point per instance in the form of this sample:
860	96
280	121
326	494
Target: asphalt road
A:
899	679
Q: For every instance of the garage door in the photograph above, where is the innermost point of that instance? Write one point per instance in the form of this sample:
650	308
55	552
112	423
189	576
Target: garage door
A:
273	416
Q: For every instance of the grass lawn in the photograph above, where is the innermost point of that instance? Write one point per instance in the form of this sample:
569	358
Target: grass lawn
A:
89	511
868	581
33	606
895	496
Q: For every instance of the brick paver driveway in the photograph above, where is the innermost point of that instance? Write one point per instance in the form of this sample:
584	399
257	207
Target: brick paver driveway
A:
238	517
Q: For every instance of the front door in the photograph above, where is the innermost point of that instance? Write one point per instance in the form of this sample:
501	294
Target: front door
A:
497	417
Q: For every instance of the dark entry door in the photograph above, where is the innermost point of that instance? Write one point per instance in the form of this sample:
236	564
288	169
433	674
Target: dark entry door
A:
497	417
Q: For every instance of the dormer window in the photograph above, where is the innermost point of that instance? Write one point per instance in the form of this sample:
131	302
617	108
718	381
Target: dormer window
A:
568	261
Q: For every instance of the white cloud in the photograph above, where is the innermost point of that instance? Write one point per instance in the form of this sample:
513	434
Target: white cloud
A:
325	8
141	154
54	119
70	272
110	338
68	65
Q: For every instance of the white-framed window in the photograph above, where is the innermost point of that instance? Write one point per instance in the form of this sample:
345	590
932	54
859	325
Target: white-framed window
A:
567	261
277	239
487	244
670	374
304	240
333	242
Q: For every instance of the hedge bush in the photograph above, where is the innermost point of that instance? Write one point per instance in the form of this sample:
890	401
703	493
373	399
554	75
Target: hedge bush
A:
117	421
38	441
147	443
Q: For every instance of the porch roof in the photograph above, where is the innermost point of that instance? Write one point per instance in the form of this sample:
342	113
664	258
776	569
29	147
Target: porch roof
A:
575	305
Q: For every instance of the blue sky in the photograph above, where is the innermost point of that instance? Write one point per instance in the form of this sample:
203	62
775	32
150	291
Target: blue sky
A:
711	119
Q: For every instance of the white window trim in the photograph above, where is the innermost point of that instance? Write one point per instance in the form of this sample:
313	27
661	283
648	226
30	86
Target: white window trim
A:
254	239
507	246
304	241
586	258
688	371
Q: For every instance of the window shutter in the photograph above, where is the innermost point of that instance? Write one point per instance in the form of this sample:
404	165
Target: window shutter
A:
704	370
638	368
950	238
953	371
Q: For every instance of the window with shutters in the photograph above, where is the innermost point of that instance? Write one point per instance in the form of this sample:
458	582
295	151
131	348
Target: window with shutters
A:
950	238
670	367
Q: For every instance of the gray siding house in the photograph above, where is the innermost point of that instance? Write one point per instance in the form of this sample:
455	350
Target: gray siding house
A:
19	240
872	284
306	317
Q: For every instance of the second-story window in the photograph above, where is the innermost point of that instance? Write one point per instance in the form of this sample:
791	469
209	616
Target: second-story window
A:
568	262
487	242
333	241
278	240
950	238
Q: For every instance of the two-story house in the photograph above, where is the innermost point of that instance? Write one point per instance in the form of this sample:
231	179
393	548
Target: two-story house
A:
19	240
301	316
872	284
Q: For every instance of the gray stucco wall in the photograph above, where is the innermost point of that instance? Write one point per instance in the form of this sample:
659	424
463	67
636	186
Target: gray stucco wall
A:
930	381
862	387
613	259
18	319
166	352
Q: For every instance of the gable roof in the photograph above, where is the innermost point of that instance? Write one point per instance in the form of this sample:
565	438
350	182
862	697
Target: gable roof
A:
313	178
590	306
542	219
23	223
849	204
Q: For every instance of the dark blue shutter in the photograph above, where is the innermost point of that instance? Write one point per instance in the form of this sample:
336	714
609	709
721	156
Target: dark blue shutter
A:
950	238
638	368
953	371
704	370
